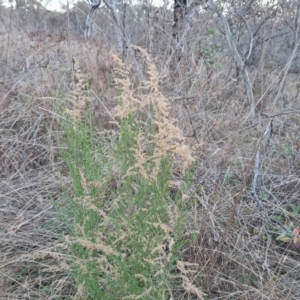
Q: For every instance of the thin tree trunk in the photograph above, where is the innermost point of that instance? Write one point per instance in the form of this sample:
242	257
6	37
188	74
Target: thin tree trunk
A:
179	13
238	60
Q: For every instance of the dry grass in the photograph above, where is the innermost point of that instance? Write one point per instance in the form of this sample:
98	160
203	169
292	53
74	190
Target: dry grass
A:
32	171
231	251
125	240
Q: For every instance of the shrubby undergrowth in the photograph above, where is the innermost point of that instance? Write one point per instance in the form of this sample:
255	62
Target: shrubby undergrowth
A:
240	239
126	224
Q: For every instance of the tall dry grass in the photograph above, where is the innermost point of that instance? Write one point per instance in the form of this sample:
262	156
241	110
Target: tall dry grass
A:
232	249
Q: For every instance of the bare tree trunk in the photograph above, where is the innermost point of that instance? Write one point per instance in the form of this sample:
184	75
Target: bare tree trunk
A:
121	38
238	60
88	24
124	44
287	67
179	13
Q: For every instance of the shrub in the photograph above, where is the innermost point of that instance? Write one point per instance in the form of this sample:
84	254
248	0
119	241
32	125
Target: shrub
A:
126	225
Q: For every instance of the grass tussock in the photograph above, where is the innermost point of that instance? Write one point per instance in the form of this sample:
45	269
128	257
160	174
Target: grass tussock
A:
126	225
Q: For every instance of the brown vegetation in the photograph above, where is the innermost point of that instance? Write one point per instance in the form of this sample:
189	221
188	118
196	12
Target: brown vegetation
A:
242	241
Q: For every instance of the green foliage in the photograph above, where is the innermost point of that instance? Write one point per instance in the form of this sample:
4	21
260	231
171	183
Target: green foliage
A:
288	233
209	47
125	225
295	208
285	151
